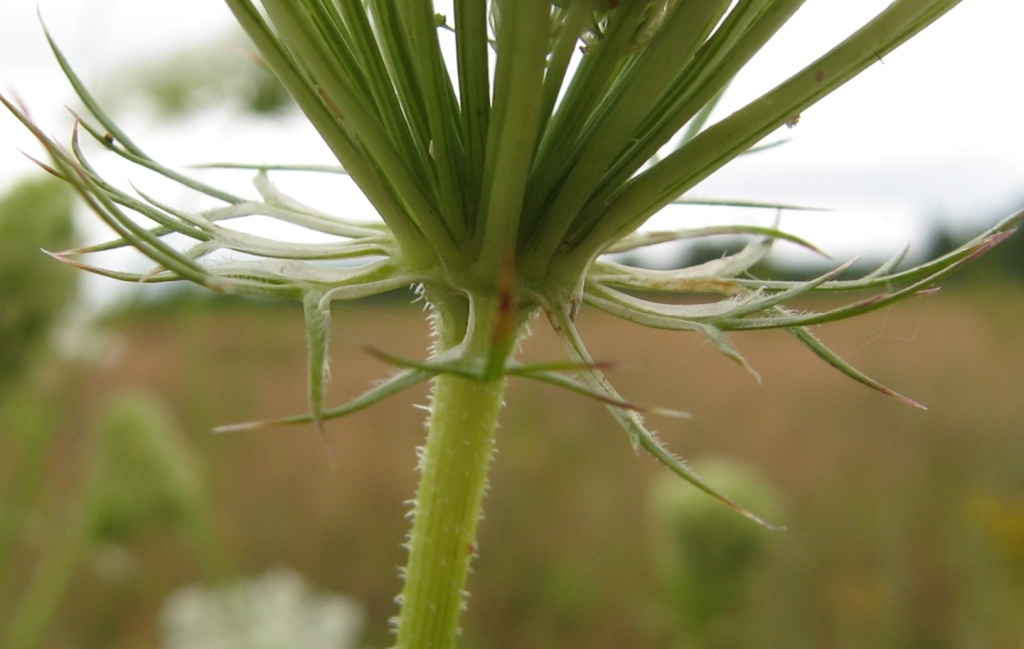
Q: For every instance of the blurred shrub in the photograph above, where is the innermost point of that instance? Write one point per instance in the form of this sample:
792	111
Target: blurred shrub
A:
35	215
141	475
34	290
708	552
219	72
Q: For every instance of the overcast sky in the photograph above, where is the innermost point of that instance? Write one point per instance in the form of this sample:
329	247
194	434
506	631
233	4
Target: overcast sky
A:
933	130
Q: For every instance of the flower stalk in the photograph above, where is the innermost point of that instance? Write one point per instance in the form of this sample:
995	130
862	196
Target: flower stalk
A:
501	189
453	466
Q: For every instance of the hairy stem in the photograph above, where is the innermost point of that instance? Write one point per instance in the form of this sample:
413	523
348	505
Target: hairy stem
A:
453	465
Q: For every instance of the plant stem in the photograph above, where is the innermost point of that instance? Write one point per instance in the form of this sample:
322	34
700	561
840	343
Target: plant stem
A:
453	465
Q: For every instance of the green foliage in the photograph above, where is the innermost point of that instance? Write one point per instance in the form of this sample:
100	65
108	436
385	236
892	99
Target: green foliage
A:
35	215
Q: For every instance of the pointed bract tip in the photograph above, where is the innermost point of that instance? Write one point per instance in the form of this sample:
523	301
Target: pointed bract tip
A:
900	397
746	513
668	412
237	428
318	423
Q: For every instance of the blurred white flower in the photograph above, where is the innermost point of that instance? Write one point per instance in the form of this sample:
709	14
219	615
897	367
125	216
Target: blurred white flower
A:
273	611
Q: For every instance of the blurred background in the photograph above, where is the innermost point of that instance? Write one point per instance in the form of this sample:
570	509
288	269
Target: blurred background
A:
124	523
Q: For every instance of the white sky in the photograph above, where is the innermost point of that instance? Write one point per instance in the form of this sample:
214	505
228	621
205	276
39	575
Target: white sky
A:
935	130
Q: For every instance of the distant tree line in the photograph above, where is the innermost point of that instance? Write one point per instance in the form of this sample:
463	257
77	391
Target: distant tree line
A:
1004	262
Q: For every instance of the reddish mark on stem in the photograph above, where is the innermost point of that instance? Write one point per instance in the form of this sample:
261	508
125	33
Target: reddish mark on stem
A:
504	324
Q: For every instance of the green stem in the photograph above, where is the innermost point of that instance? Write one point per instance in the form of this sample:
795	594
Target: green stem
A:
453	465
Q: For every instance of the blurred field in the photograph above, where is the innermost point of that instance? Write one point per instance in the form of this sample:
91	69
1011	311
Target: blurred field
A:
905	528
